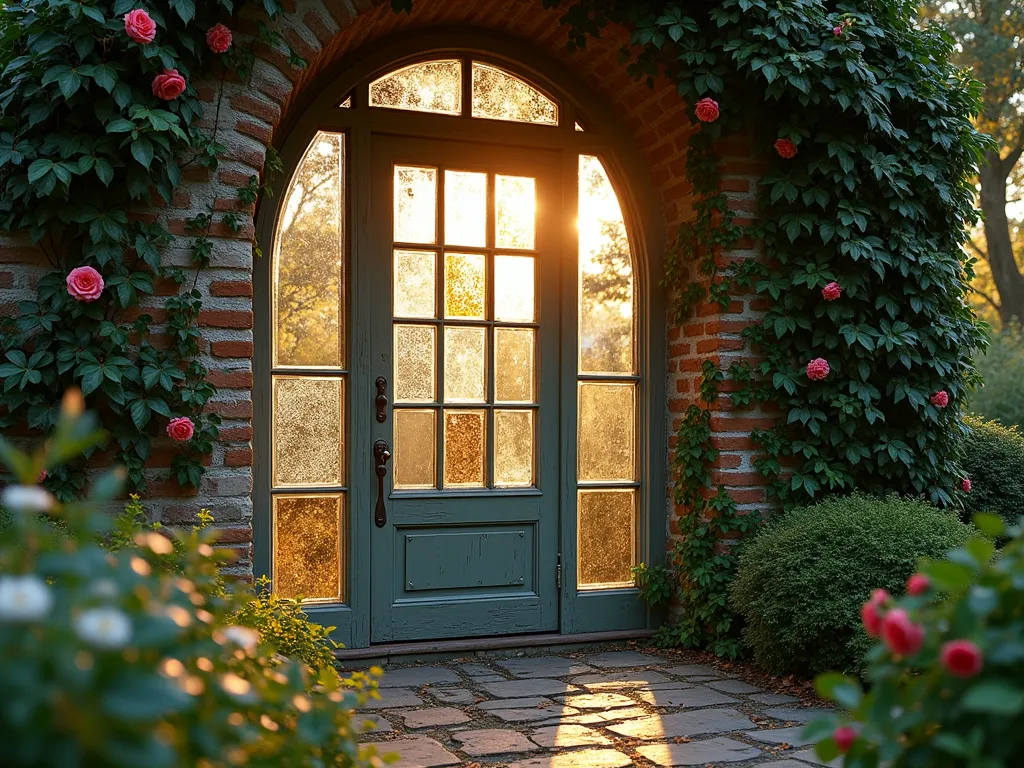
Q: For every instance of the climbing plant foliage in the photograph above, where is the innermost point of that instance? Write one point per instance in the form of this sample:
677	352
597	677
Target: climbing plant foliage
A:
89	154
868	189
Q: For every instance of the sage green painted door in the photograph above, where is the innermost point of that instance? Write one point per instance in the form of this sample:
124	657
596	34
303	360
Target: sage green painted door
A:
465	258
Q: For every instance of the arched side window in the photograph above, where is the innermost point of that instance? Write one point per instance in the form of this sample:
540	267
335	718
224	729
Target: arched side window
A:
453	444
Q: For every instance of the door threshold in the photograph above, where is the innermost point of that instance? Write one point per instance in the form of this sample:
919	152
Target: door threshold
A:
393	651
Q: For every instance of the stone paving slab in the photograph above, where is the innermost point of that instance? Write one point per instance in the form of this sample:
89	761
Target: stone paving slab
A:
792	736
697	696
493	741
718	750
569	736
591	758
416	677
419	752
683	724
808	756
371	724
613	707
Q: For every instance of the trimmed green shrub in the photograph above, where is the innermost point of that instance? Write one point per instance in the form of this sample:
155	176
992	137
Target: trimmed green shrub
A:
802	580
947	679
994	461
1002	367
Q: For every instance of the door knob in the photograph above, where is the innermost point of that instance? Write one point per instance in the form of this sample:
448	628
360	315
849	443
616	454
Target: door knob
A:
381	455
382	399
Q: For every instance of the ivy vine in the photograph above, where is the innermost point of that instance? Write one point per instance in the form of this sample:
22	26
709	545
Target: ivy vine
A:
99	116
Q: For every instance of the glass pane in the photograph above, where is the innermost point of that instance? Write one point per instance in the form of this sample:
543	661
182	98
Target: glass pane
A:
415	205
465	285
513	365
309	435
607	538
516	202
513	448
309	260
465	208
606	276
414	363
513	289
465	359
501	96
415	449
414	283
464	441
431	86
308	541
347	103
606	431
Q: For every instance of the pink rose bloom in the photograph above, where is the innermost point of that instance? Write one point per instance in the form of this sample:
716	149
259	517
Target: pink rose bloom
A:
940	399
139	26
832	291
218	38
786	149
837	31
84	283
43	474
965	485
181	429
707	110
961	658
818	369
844	736
870	613
168	85
901	635
917	584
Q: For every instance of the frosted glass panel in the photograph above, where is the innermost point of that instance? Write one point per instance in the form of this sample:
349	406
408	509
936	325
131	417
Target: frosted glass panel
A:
414	281
414	363
309	260
513	448
607	538
606	308
415	449
465	360
465	285
415	205
309	431
431	86
606	431
501	96
307	547
465	208
516	203
464	445
513	289
513	367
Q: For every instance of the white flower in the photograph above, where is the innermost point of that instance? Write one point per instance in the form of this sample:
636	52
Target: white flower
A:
242	636
106	628
24	598
27	498
105	588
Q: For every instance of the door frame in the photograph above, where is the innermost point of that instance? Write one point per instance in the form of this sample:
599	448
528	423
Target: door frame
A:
641	208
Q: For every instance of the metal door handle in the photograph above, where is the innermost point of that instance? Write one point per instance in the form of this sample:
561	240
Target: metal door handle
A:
382	399
381	454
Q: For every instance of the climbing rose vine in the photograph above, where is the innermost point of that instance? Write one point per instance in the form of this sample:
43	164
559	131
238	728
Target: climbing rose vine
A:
99	116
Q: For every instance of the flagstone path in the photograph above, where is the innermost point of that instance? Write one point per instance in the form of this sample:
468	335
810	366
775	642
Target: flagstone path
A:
600	709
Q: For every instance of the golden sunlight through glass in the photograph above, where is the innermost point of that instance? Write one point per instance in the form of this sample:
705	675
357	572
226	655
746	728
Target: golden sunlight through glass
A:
465	442
415	377
308	542
415	448
414	283
607	538
516	203
309	437
430	86
465	208
499	95
415	205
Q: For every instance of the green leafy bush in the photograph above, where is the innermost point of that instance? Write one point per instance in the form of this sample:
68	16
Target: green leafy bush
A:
802	580
994	461
1002	367
281	622
955	694
115	659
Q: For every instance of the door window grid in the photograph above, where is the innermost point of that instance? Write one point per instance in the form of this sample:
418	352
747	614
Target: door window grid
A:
472	390
309	381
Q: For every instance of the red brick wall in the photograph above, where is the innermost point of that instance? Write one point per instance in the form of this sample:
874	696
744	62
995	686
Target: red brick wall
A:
324	31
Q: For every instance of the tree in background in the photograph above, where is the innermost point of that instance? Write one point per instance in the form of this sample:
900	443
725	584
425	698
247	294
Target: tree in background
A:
990	34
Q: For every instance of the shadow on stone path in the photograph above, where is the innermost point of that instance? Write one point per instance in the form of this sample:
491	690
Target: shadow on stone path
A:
583	709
